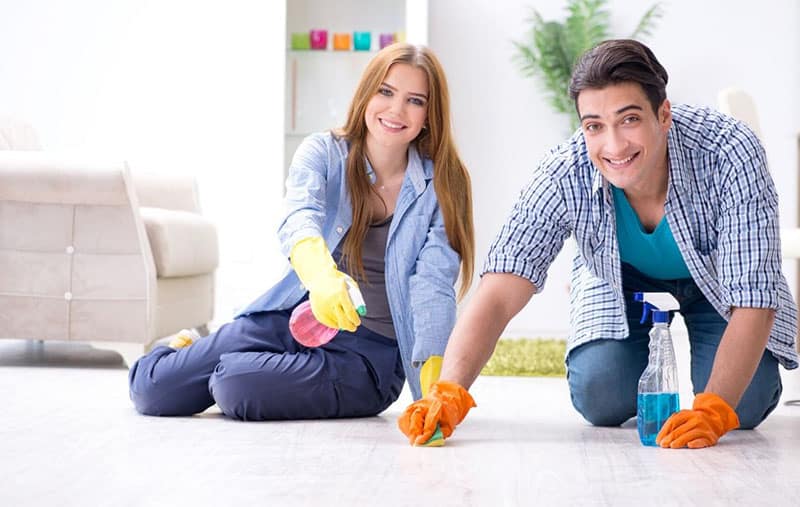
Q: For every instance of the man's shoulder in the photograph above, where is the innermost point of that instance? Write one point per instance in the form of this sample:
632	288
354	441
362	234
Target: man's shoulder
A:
705	129
568	158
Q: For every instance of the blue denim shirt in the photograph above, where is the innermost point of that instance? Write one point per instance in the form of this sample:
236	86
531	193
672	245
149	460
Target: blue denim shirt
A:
421	266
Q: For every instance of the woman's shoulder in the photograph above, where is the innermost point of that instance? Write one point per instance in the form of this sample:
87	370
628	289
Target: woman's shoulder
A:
323	146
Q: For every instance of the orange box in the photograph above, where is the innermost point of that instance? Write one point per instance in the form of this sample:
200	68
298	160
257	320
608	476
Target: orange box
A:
341	41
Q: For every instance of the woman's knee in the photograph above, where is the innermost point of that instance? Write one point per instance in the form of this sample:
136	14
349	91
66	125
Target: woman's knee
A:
162	396
272	388
144	393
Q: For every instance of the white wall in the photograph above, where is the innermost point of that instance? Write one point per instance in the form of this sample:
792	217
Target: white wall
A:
503	125
188	87
196	87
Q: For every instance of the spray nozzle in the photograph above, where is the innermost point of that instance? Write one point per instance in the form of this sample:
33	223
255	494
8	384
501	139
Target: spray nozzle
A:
657	303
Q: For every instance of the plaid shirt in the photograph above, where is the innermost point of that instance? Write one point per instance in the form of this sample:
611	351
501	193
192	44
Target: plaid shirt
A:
721	206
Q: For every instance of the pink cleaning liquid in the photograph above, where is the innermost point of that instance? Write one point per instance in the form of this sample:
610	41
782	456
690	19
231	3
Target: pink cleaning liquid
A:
306	329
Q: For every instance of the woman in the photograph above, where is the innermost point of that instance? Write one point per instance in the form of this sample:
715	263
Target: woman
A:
389	195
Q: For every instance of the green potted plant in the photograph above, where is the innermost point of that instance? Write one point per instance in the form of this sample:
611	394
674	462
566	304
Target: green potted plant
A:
552	47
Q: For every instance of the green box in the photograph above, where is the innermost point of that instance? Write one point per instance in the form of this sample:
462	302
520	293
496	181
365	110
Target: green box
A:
301	40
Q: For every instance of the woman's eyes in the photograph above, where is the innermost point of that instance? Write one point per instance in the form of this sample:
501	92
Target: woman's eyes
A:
386	92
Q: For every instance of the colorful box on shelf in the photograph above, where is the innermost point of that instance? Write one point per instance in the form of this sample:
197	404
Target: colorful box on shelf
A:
385	39
341	41
301	40
399	36
362	41
319	39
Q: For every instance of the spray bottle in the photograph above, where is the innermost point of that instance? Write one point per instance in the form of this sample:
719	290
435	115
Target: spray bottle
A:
308	331
658	386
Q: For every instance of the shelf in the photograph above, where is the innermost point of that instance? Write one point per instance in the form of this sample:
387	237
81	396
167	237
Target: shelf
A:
329	51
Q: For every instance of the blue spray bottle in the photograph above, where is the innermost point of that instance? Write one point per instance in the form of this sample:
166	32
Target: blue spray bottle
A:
658	386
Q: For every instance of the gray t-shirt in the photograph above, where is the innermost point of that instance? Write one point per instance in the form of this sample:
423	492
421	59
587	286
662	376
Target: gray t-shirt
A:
373	254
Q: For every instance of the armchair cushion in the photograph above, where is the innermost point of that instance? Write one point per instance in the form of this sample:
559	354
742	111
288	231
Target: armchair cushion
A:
183	243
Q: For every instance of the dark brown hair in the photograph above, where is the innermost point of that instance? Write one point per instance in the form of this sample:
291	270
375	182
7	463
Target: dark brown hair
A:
617	61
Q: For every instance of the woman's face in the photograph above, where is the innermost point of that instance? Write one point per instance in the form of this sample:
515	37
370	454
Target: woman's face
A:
397	113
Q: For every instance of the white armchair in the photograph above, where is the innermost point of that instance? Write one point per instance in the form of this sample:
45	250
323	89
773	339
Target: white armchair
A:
89	253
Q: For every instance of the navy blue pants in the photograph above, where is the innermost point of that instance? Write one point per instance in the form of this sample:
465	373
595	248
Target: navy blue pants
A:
254	370
604	375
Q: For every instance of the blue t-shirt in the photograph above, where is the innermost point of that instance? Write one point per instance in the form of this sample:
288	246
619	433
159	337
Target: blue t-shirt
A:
653	253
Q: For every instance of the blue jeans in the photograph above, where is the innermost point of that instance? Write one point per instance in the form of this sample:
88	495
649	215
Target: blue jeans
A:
253	369
603	375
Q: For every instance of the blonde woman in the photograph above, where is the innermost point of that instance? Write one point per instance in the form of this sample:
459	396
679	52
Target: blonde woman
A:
386	200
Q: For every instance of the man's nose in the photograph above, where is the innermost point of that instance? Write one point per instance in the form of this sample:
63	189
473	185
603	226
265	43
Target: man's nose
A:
616	142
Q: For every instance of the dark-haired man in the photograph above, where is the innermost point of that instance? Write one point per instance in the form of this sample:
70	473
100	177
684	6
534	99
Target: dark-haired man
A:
658	199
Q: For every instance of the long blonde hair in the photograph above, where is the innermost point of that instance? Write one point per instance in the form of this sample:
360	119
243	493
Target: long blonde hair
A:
450	178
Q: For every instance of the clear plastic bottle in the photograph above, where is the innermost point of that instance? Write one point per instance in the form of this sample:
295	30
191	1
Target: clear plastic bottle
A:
308	331
657	397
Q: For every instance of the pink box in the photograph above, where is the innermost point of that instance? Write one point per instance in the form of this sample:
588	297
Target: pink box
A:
319	39
386	39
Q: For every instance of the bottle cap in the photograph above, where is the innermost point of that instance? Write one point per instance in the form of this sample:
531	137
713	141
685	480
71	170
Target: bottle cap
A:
659	317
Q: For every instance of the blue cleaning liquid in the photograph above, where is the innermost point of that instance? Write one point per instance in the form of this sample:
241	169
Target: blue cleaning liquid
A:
653	409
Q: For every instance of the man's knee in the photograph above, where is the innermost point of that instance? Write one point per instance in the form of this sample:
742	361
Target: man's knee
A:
603	399
751	413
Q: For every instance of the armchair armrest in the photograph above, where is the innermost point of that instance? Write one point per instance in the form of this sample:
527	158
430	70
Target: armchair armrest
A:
173	192
183	243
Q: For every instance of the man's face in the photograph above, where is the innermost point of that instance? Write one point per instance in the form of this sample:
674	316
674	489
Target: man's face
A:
626	140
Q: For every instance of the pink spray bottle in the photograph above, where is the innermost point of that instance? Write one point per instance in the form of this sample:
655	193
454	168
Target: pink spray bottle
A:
308	331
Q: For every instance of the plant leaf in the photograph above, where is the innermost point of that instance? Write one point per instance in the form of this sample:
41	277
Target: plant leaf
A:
646	24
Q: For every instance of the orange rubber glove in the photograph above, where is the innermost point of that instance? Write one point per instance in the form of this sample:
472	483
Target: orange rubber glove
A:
446	404
710	418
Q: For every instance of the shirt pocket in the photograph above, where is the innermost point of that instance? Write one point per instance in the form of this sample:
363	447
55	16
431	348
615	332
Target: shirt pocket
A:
704	229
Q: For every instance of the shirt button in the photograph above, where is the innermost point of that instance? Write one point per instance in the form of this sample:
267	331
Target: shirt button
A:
68	296
70	250
339	229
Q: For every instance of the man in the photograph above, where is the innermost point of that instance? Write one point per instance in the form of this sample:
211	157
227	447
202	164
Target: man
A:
659	199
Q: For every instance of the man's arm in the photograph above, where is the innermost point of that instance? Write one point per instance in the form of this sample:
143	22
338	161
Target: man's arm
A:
500	296
739	352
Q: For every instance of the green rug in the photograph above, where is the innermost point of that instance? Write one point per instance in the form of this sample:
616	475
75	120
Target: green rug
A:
527	358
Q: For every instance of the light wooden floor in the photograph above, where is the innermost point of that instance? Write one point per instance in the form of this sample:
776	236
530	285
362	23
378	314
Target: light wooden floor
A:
69	436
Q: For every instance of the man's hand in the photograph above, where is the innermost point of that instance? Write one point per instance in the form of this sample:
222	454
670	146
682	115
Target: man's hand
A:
446	404
710	418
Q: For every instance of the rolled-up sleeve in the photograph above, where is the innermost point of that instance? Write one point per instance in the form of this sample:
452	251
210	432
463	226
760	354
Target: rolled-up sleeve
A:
306	184
749	254
534	232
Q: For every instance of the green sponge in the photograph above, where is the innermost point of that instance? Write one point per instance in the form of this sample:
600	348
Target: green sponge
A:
436	440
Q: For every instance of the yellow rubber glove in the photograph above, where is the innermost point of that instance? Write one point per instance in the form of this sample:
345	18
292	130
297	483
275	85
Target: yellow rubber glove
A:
428	375
184	338
445	405
327	288
710	418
